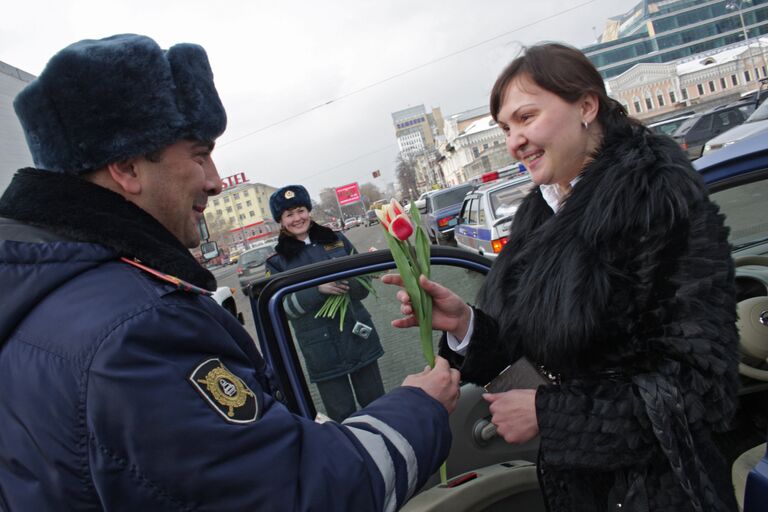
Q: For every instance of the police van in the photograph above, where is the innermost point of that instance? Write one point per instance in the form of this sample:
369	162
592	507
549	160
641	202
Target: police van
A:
487	213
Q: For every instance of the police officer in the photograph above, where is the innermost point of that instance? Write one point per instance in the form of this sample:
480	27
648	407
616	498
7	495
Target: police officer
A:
125	386
303	241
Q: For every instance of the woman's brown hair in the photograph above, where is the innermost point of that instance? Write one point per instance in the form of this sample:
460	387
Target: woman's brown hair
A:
566	72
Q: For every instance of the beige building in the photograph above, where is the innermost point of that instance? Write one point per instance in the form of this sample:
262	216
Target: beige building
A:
649	90
475	144
240	215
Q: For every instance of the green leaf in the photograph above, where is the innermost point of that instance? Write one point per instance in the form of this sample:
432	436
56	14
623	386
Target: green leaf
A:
406	273
422	252
344	306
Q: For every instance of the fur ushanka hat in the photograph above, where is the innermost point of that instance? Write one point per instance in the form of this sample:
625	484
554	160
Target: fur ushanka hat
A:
101	101
286	198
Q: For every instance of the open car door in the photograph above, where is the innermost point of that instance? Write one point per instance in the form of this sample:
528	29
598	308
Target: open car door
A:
484	472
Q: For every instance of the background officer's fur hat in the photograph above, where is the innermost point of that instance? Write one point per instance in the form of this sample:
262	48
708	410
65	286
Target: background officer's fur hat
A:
286	198
101	101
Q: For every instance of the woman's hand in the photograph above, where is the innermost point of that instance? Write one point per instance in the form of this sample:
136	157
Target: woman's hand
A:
449	312
334	288
514	414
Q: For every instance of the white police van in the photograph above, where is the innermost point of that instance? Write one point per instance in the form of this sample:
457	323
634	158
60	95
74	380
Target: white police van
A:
487	213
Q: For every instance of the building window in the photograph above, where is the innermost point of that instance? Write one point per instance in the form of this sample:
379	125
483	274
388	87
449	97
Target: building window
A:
242	217
672	96
700	88
215	202
711	86
746	76
625	105
237	195
248	203
226	199
648	101
475	152
229	209
659	98
723	84
757	75
764	73
231	220
684	93
734	80
636	104
239	206
251	213
219	212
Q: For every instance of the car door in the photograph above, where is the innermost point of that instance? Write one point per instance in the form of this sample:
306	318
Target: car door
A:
487	468
463	231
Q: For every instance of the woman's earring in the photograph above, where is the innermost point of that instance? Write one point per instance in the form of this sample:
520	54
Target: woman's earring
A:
585	125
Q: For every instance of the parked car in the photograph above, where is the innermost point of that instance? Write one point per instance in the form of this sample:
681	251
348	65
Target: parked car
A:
669	126
699	128
251	264
497	475
421	202
487	213
371	218
755	123
442	208
351	222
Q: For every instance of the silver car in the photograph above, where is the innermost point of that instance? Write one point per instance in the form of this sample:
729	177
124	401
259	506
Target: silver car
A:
487	214
250	266
755	123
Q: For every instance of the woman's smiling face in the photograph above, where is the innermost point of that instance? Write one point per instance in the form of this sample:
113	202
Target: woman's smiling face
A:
545	132
296	221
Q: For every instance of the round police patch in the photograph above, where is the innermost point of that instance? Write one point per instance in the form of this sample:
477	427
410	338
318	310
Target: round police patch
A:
225	392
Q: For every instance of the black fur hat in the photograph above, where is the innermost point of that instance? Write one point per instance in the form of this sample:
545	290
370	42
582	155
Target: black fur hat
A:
101	101
286	198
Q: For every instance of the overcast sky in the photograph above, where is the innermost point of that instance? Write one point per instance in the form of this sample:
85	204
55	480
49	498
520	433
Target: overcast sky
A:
341	67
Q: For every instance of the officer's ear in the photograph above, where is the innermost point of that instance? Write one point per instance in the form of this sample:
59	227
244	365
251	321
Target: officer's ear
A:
125	174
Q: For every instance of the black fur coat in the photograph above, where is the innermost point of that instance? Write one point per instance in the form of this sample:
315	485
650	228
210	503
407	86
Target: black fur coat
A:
627	297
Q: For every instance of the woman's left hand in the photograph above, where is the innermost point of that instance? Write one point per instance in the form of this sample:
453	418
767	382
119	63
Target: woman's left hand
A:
514	414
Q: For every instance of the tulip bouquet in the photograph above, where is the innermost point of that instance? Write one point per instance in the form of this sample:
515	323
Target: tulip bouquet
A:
412	260
338	304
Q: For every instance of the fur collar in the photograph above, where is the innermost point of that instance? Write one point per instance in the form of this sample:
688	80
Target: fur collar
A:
567	283
82	211
289	247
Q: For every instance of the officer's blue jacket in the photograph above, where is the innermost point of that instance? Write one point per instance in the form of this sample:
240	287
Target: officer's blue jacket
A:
121	391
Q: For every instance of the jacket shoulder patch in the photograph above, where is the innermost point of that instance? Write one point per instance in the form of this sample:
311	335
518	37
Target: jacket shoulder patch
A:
225	392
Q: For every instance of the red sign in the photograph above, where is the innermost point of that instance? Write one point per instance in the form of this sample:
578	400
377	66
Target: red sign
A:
348	194
235	179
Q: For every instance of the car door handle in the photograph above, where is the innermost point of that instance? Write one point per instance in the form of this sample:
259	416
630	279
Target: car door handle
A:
483	431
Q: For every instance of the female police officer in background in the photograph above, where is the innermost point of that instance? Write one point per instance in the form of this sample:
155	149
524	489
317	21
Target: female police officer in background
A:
337	361
617	280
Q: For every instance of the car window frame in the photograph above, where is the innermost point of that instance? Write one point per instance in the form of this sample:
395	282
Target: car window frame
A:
272	325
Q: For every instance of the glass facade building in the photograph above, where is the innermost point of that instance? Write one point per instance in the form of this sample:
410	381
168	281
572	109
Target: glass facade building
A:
666	31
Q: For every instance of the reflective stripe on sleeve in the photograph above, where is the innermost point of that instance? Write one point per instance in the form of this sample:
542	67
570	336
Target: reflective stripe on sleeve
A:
376	448
400	443
292	307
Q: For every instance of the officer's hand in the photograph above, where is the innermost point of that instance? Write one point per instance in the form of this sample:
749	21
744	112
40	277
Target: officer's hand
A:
449	312
440	382
334	288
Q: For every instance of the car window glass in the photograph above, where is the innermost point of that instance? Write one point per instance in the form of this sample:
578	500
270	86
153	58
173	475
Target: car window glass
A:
322	347
505	201
687	125
760	114
450	197
744	207
464	214
472	212
480	211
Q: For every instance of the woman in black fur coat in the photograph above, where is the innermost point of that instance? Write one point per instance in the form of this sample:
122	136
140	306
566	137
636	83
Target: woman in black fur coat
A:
617	280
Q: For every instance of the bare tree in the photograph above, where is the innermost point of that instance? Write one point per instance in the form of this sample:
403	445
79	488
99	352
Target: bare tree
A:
371	192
